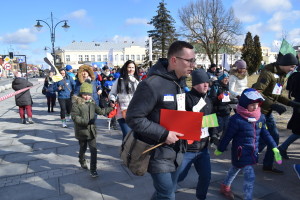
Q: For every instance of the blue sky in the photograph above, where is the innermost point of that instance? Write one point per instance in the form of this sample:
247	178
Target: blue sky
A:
119	20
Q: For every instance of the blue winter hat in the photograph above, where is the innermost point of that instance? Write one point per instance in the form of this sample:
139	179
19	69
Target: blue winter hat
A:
68	67
223	75
250	96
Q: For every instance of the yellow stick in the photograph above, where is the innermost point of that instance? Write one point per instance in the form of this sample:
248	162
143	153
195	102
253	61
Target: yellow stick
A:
153	147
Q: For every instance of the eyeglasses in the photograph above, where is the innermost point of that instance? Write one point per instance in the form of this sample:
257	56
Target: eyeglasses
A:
191	61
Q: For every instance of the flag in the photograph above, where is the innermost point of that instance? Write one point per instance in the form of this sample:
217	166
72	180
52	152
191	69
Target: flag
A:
286	48
225	64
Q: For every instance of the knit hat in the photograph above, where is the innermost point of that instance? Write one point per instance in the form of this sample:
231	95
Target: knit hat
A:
222	75
212	65
288	60
86	88
240	64
250	96
199	76
68	67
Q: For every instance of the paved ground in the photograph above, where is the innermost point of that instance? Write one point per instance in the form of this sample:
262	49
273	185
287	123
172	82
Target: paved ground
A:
39	162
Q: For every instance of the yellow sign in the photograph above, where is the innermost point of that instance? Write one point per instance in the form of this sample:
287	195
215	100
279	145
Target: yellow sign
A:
7	59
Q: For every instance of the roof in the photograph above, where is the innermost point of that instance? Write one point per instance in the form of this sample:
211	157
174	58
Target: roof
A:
100	46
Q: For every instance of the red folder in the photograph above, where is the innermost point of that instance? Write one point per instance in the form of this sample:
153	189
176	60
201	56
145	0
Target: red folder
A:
185	122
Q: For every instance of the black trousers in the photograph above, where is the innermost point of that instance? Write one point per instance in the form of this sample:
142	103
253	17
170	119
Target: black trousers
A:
93	149
51	102
65	107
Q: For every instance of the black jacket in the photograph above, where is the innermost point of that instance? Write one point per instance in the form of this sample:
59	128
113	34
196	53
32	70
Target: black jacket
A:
192	98
24	98
221	108
143	117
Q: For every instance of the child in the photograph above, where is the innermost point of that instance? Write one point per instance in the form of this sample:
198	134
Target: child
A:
244	129
83	115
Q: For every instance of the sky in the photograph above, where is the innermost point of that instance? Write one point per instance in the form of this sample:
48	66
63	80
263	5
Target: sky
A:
120	20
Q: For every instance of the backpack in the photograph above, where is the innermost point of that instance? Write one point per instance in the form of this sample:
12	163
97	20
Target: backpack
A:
293	84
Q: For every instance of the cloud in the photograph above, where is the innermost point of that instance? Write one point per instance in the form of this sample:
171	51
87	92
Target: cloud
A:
136	21
21	36
118	38
81	17
255	29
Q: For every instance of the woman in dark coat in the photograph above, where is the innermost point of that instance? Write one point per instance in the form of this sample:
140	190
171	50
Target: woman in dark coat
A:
23	99
50	92
293	85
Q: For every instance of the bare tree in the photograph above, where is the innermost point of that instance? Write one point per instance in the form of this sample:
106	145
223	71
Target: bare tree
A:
207	23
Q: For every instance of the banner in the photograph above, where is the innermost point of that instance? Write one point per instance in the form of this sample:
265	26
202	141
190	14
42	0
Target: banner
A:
14	93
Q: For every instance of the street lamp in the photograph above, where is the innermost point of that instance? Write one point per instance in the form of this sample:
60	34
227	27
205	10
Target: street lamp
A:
52	32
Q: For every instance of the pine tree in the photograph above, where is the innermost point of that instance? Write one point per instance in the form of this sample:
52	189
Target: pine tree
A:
257	57
247	52
164	32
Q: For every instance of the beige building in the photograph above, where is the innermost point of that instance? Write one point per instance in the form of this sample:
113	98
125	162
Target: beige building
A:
100	53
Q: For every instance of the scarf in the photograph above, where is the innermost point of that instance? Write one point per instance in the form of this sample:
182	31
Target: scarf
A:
250	116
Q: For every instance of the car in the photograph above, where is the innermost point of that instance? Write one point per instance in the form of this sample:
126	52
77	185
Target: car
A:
10	75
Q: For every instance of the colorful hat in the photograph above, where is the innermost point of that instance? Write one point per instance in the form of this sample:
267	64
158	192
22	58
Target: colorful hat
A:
250	96
86	88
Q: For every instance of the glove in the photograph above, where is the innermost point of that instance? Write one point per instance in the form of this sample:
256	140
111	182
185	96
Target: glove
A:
92	121
294	104
215	141
277	156
221	96
278	108
217	152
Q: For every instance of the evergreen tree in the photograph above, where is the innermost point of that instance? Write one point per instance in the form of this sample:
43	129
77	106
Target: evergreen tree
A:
257	57
247	52
164	32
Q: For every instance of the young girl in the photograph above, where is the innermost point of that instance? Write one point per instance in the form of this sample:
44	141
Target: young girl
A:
244	129
83	115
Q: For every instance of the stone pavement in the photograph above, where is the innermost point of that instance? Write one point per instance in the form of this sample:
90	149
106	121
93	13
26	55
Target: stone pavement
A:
39	162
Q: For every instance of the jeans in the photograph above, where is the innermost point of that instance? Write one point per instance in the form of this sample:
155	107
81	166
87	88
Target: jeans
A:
93	149
28	109
201	162
165	185
124	127
223	123
249	178
65	107
269	157
285	145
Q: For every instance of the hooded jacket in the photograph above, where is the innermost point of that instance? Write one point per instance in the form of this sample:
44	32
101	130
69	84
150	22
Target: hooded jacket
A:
237	82
24	98
158	91
83	115
269	77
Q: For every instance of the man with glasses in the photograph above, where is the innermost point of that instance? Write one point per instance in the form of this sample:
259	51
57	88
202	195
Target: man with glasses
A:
162	90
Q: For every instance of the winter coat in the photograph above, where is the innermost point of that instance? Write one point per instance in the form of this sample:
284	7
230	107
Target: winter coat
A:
221	108
192	98
245	138
237	83
49	85
24	98
123	98
143	116
83	115
68	84
293	87
268	78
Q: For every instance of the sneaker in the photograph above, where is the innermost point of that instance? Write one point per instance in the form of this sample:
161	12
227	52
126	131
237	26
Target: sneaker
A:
30	121
83	164
68	118
272	170
64	125
283	153
23	120
297	169
94	173
226	191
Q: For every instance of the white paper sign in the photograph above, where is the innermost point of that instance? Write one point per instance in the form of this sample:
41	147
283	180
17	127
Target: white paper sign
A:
180	101
277	89
201	103
204	132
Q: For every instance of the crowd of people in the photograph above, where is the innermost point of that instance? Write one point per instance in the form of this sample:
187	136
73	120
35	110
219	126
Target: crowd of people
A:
134	98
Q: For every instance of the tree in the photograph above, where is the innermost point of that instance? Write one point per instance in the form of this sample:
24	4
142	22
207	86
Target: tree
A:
207	23
257	57
164	32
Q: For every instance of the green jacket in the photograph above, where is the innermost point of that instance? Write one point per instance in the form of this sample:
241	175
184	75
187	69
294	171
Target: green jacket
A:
269	77
84	112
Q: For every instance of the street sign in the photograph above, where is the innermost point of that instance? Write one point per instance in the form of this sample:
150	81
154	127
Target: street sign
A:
21	60
7	66
6	59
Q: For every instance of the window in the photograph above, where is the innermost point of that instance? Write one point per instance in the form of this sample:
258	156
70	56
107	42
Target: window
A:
122	57
98	57
86	58
105	58
68	58
138	57
127	57
143	57
80	58
132	57
92	57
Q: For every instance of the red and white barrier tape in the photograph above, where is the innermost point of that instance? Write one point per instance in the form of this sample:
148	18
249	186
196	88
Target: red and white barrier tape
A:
14	93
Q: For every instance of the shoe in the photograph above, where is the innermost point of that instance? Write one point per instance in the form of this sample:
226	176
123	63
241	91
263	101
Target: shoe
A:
52	110
30	120
283	153
48	109
94	173
83	164
64	125
68	118
23	120
297	169
272	169
226	191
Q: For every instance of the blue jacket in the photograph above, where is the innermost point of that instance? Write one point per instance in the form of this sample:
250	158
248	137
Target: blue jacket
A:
68	85
95	90
245	136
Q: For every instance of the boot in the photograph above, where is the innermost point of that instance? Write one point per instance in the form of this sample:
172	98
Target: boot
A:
83	164
23	120
30	120
48	109
52	109
64	124
226	191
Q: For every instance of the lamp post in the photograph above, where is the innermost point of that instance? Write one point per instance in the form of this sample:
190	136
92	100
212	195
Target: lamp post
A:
52	28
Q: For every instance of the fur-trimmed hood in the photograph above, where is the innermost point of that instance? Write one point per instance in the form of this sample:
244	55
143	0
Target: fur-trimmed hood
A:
234	71
87	68
79	100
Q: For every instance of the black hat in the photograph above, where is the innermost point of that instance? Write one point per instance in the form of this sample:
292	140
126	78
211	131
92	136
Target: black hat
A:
199	76
212	65
288	60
